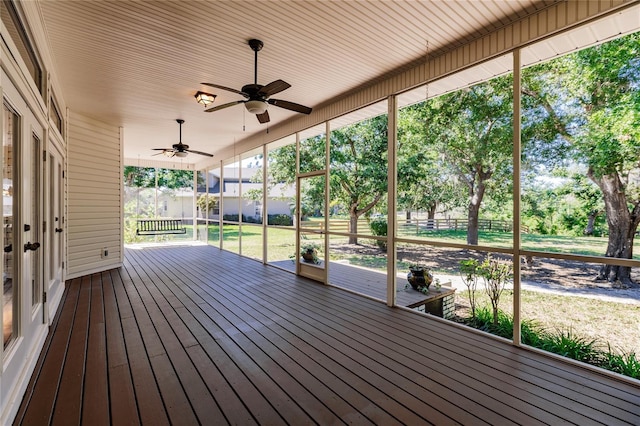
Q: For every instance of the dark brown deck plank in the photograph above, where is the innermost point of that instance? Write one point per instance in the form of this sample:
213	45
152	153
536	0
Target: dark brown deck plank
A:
124	409
595	413
190	326
42	390
68	409
151	409
175	338
226	367
177	404
95	404
355	398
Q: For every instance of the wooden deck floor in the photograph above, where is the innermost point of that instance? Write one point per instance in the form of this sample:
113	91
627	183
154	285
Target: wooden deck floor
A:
366	281
193	335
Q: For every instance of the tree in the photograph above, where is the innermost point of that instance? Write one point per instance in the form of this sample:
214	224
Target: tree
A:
424	181
473	129
145	177
590	100
358	168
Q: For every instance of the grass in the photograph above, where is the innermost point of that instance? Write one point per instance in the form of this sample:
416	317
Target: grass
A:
591	246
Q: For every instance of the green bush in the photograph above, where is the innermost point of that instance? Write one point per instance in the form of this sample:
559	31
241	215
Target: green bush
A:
280	220
566	343
627	364
379	228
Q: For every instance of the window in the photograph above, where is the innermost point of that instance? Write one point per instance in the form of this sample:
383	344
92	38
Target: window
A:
18	34
54	114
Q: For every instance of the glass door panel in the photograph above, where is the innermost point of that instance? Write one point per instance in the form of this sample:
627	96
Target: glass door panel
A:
55	239
36	233
9	269
311	226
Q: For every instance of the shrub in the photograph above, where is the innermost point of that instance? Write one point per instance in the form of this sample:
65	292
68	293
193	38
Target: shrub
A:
280	220
566	343
627	364
379	228
232	217
495	274
469	274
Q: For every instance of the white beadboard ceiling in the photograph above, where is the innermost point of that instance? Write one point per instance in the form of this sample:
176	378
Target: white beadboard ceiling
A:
138	64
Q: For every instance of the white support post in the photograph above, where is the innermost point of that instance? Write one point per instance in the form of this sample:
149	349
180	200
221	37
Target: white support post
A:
194	209
298	214
516	195
265	206
220	205
327	198
240	201
392	136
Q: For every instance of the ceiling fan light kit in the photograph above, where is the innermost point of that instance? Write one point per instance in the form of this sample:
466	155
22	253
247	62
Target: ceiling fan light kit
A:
258	96
255	106
205	98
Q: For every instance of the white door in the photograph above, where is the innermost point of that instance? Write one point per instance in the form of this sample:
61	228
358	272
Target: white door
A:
21	159
311	213
55	231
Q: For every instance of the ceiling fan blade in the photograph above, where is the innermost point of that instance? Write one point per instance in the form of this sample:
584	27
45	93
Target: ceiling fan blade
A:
191	151
290	106
273	88
264	117
159	153
223	106
160	149
228	89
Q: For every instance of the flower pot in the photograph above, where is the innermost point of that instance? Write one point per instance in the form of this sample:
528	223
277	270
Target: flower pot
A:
309	256
419	277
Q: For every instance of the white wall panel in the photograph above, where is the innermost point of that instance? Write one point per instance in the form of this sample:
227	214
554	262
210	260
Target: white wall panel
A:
94	183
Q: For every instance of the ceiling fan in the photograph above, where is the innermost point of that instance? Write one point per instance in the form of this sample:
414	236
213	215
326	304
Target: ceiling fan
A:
258	96
179	149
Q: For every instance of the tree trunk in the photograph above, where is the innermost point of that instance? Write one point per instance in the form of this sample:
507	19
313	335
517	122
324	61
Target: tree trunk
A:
622	227
591	222
431	215
407	216
474	213
353	226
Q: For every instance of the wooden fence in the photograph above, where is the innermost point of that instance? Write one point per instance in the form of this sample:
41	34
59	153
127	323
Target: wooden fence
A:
418	225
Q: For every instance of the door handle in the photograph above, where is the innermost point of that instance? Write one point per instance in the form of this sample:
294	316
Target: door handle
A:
58	229
9	248
31	246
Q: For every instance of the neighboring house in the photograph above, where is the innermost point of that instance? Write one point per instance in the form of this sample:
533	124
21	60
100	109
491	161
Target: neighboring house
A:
280	199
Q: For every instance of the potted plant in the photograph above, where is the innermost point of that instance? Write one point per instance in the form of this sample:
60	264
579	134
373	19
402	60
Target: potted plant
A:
420	277
309	252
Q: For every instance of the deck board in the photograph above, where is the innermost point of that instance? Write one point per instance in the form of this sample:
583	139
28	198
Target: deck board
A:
195	335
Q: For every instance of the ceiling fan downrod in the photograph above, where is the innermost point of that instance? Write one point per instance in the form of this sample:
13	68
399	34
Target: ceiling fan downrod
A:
256	45
180	121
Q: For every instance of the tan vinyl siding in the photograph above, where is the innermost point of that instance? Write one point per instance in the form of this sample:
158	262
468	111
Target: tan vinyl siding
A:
94	196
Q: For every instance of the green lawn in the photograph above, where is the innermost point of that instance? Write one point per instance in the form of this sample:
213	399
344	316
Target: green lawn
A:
281	240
